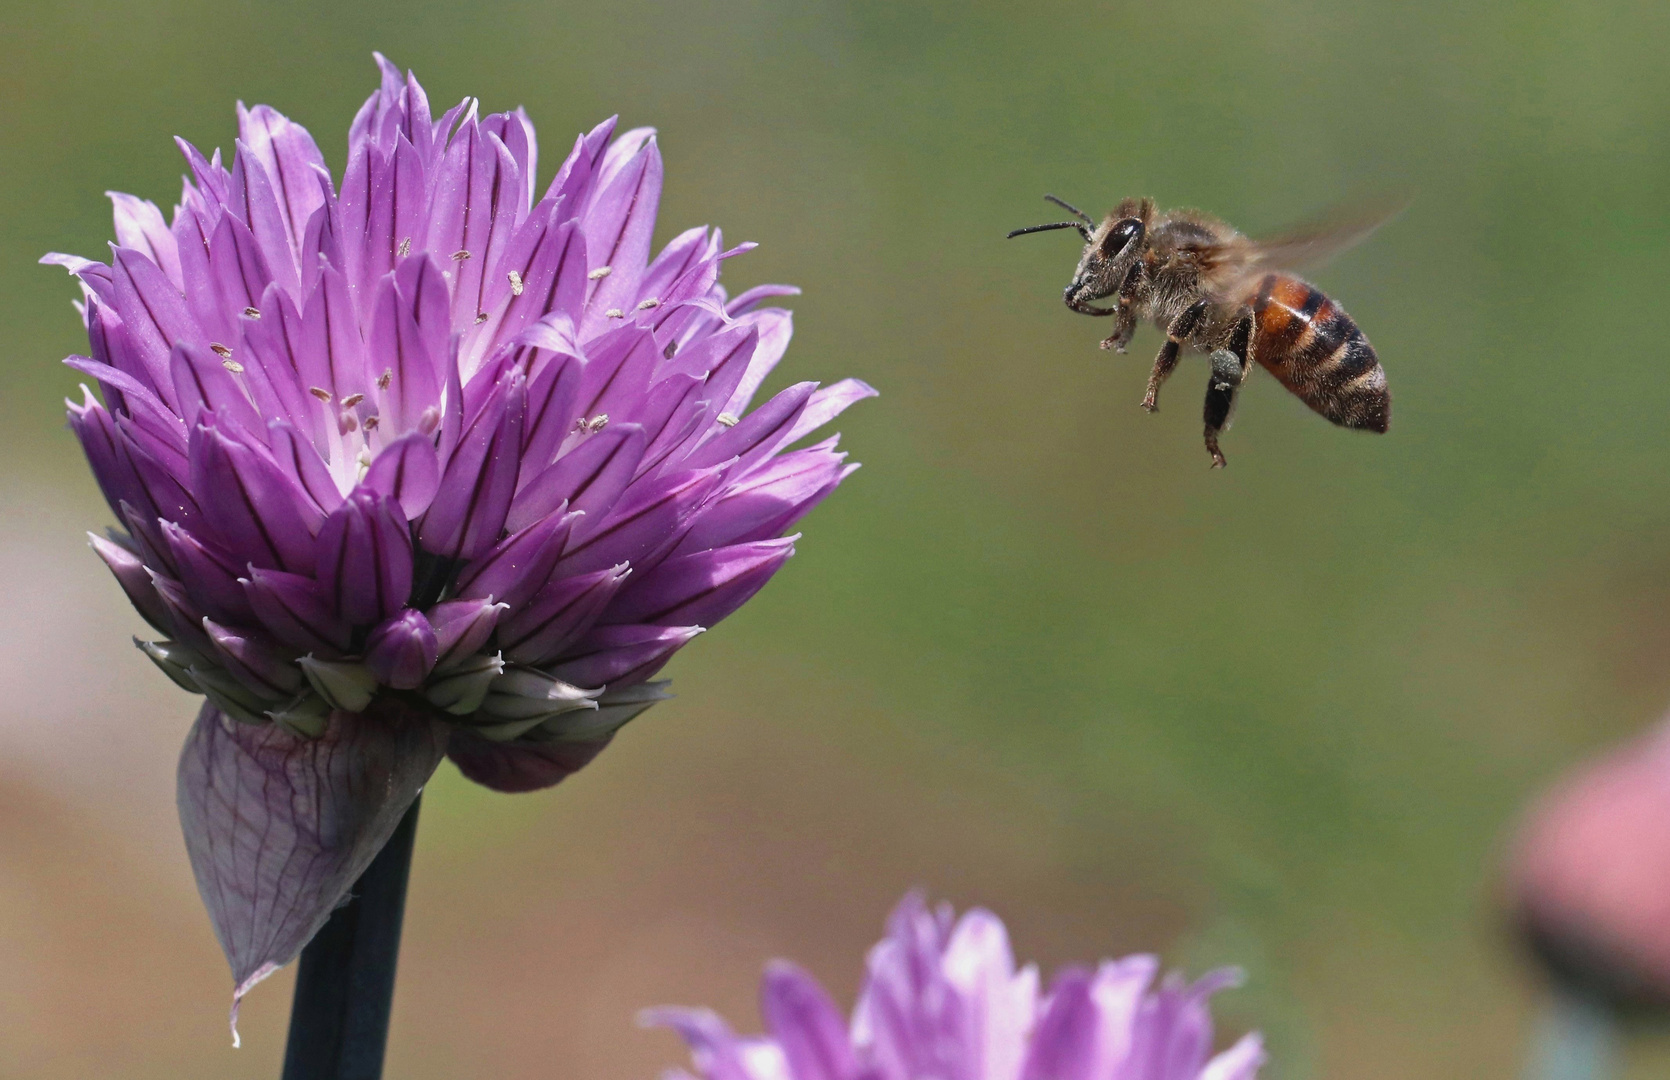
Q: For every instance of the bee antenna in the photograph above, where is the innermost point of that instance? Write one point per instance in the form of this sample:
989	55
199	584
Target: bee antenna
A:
1071	209
1082	231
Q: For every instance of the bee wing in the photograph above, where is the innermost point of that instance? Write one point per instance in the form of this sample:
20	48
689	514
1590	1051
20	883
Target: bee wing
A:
1307	244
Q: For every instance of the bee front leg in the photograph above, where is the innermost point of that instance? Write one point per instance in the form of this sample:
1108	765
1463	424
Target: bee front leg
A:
1126	325
1165	363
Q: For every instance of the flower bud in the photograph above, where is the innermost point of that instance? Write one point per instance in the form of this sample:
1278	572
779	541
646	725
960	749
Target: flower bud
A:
523	698
462	688
343	684
402	650
308	716
175	660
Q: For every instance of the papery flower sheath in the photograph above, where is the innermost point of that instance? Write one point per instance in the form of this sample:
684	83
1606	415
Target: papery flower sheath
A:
943	1000
431	463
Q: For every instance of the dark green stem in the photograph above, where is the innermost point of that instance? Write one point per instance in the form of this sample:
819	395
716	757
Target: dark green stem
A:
339	1021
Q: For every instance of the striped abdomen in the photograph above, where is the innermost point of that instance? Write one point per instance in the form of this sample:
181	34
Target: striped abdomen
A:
1309	343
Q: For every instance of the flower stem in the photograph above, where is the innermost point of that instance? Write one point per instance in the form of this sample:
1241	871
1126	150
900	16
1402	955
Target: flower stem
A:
339	1021
1576	1039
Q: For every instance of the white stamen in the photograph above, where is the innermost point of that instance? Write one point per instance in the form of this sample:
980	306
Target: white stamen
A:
614	313
351	400
726	419
233	366
650	303
600	272
252	313
321	393
222	351
515	283
405	248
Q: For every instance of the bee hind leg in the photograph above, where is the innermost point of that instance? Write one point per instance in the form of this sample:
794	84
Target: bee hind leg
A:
1165	363
1229	368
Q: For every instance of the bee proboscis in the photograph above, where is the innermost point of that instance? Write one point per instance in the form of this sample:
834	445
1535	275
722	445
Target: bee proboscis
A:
1208	286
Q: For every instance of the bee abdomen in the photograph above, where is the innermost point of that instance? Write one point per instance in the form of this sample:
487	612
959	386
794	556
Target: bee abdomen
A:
1311	345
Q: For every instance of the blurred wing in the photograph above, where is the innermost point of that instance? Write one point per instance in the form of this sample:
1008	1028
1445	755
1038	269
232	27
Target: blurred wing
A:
1310	243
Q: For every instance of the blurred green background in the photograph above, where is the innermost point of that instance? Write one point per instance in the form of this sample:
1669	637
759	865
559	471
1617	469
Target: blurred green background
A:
1034	655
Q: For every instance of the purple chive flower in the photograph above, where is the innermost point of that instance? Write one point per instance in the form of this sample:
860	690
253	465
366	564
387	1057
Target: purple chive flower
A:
942	1000
428	464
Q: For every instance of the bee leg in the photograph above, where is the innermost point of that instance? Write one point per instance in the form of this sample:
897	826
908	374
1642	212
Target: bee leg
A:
1126	324
1165	363
1229	368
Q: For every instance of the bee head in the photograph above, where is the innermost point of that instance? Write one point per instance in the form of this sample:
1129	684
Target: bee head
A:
1109	253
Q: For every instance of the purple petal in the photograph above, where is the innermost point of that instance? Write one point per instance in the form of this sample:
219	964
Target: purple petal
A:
828	403
806	1025
769	500
364	557
289	156
1000	1003
302	463
154	315
1239	1062
702	588
575	176
409	331
278	827
556	617
589	478
553	388
253	663
518	766
408	472
105	454
202	381
136	583
644	524
623	655
209	575
760	434
745	301
462	627
238	270
518	565
1064	1044
468	513
254	509
776	327
252	198
139	225
296	611
403	650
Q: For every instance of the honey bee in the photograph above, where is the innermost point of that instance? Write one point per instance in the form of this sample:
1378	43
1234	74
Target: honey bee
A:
1206	285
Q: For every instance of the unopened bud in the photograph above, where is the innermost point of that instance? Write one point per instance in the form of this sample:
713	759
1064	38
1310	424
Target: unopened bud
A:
344	684
307	716
229	694
614	709
461	690
175	660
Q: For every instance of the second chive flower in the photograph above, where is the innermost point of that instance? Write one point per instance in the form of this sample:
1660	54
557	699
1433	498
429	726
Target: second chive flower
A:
942	1000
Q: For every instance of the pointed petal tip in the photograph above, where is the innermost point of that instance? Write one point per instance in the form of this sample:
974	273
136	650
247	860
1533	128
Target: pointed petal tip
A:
238	993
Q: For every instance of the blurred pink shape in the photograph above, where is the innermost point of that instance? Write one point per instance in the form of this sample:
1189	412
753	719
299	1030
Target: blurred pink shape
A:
1589	877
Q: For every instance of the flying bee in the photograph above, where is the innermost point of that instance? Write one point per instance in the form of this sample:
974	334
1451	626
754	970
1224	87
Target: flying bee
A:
1206	285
